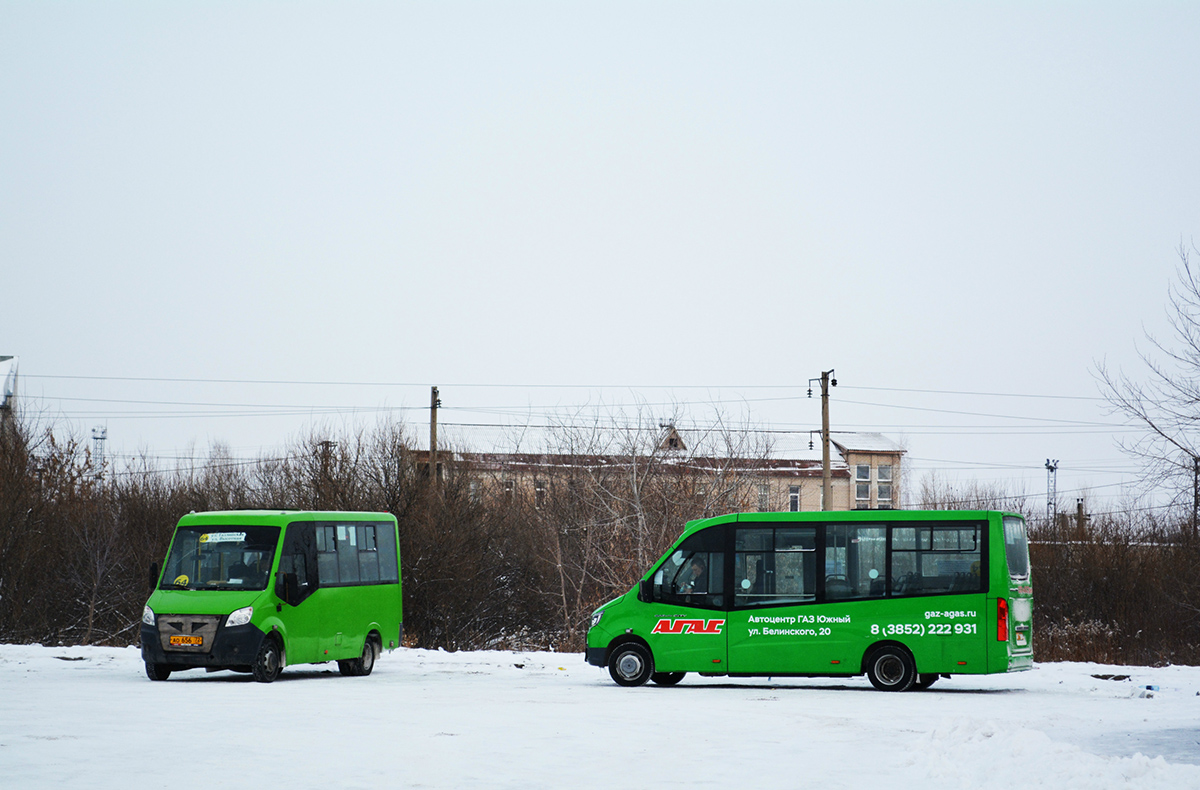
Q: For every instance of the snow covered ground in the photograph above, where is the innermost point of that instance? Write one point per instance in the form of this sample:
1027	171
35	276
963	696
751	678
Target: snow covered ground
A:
89	718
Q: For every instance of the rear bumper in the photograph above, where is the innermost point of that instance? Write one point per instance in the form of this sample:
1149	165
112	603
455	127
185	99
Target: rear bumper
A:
1020	663
232	647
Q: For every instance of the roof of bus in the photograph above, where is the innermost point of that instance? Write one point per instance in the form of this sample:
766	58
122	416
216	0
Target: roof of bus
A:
280	516
825	516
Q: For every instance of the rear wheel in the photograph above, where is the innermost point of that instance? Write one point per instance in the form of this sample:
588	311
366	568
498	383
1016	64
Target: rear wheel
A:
667	678
157	671
891	668
631	665
925	681
268	663
361	666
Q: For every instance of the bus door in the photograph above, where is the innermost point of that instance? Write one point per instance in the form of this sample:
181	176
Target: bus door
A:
772	624
301	612
687	613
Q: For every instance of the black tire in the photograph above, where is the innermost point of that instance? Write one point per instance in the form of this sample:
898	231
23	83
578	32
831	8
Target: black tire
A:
157	671
361	666
667	678
269	661
891	668
925	681
631	665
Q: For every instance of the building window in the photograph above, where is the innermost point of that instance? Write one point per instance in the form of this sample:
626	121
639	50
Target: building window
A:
862	485
539	493
794	499
509	486
473	491
883	493
764	497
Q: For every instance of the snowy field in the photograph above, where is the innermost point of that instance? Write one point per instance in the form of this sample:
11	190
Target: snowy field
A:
89	718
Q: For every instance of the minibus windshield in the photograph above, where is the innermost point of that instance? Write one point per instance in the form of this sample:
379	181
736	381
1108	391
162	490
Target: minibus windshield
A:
220	558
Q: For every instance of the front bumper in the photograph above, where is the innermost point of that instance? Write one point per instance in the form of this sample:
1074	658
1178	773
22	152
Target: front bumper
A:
596	656
231	648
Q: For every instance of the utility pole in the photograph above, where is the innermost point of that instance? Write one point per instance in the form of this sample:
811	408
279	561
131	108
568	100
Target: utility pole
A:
434	402
1080	520
1051	490
1195	492
826	475
325	491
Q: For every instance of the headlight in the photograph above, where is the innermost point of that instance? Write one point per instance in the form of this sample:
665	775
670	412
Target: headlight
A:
596	618
147	615
240	617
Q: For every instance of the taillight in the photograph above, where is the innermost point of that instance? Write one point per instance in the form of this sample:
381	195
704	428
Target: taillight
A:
1002	619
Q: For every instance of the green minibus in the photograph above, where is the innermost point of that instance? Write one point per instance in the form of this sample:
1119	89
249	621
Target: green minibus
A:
905	597
257	590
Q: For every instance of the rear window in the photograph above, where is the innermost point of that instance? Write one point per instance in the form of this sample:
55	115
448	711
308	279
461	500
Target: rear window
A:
1016	548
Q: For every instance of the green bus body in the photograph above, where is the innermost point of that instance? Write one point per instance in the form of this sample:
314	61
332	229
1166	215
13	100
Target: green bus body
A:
256	590
903	596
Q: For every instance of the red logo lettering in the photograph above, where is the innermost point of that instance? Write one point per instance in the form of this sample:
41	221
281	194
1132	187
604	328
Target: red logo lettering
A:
683	626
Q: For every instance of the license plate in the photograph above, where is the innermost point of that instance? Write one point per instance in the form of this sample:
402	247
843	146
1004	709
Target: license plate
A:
187	640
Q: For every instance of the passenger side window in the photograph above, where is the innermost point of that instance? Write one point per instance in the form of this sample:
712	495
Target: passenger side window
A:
694	574
327	558
368	554
941	558
774	565
385	544
348	554
855	561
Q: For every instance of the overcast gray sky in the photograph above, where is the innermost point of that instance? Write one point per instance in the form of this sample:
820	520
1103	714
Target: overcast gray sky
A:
634	202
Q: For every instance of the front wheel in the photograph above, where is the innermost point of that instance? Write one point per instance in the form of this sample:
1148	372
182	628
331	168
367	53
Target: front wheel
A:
667	678
631	665
157	671
891	669
361	666
268	663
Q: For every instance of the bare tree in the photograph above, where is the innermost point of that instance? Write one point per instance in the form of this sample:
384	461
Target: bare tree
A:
1166	404
614	496
936	493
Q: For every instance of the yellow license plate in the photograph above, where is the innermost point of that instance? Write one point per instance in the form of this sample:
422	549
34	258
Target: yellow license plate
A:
187	640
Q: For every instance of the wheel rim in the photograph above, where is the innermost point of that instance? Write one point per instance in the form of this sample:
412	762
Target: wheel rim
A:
368	657
270	660
630	665
890	670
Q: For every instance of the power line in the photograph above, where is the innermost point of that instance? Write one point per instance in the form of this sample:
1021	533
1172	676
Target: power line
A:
498	385
982	394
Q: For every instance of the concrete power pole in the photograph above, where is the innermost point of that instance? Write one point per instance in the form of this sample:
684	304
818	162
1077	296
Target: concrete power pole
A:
1051	491
1195	492
434	402
826	475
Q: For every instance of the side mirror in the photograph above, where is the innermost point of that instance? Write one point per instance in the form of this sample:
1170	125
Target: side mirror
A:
153	576
646	591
